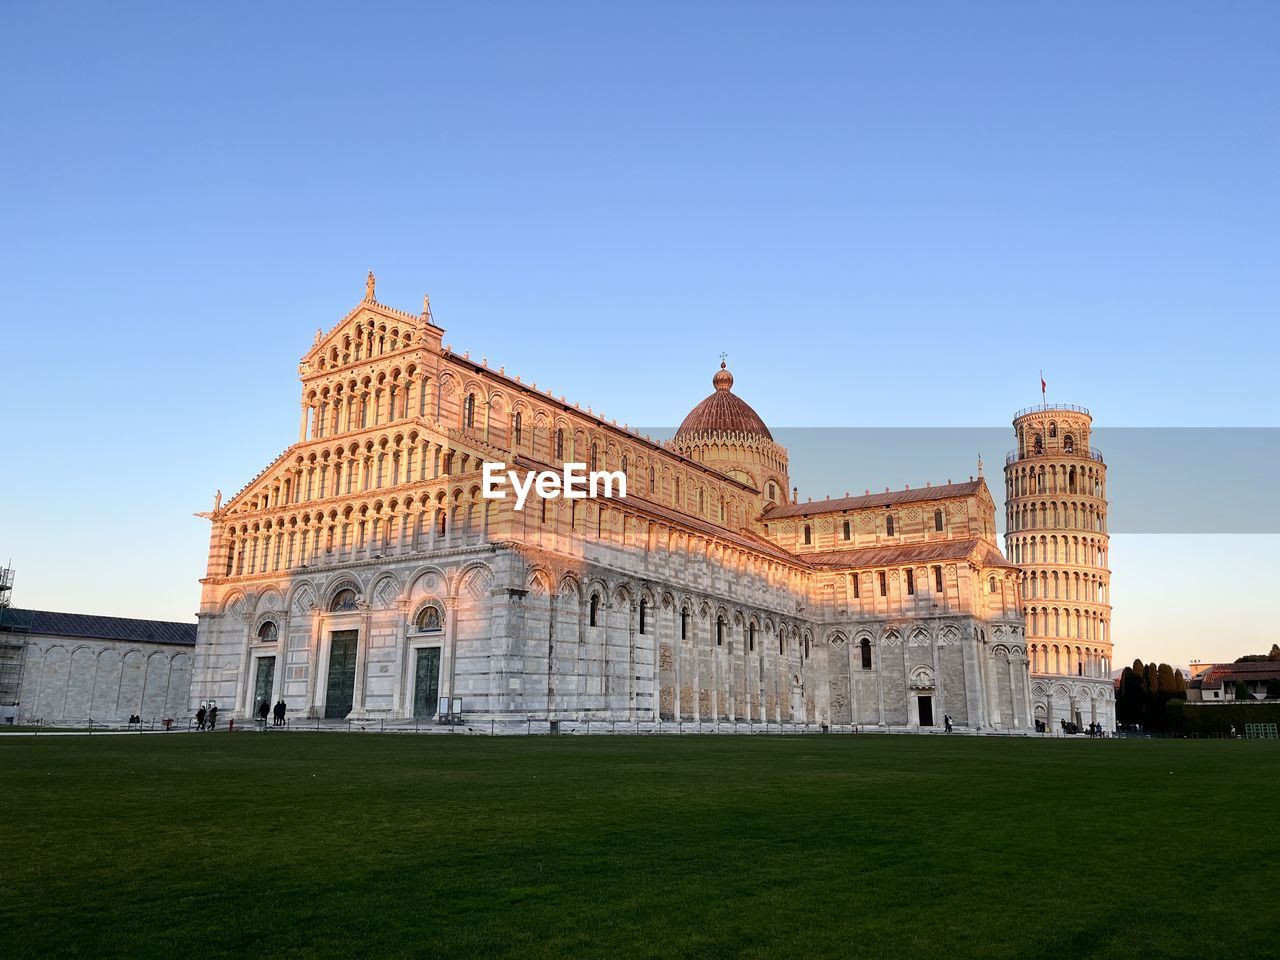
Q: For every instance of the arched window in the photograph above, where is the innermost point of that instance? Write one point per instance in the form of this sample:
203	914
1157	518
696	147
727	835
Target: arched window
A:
865	647
808	534
937	579
469	411
751	637
429	620
772	495
595	457
847	531
518	429
595	609
623	465
1053	428
684	624
268	632
1069	443
653	479
884	584
644	610
888	525
344	600
702	502
991	584
719	631
937	521
911	583
806	648
559	444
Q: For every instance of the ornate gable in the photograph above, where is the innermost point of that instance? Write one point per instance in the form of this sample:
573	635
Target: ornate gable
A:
369	331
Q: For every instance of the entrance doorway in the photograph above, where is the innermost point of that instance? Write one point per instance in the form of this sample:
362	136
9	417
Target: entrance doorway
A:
925	705
263	681
342	674
426	683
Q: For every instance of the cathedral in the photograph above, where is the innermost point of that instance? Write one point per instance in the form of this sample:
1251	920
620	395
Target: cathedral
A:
364	575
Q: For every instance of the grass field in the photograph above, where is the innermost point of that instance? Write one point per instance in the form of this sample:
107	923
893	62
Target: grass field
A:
263	847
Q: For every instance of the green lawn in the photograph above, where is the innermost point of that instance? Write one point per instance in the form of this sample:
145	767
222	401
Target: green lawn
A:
262	847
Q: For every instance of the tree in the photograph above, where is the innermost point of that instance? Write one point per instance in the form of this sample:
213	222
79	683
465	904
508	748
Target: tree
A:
1270	657
1273	689
1130	701
1152	708
1242	692
1125	700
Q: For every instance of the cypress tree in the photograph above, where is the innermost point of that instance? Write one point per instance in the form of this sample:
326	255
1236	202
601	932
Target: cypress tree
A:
1151	706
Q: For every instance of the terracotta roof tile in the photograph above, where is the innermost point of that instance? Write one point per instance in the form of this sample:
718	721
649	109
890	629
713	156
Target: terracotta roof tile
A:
814	507
887	556
1220	673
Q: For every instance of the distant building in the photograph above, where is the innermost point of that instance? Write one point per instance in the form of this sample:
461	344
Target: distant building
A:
1217	681
71	667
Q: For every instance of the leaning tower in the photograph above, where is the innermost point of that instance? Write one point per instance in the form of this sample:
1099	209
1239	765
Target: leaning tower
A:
1056	531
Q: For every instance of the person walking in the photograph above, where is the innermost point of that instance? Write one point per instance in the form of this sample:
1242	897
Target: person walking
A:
279	713
213	717
263	710
200	715
946	721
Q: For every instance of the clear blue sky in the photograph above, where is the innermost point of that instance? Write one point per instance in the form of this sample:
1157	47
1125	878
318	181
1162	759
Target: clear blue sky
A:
888	214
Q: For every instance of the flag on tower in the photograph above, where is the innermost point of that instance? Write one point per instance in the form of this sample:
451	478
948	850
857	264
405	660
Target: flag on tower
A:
1043	386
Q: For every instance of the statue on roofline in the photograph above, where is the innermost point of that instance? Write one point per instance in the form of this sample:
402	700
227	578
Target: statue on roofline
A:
369	282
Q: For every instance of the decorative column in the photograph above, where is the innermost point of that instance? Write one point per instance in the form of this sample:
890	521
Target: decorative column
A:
399	691
282	652
450	670
318	647
362	658
242	688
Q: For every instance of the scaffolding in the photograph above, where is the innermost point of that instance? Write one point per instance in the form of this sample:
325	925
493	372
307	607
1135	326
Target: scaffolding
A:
14	626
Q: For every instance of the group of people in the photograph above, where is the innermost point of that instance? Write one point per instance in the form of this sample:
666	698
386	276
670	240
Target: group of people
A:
1092	730
277	713
946	722
207	719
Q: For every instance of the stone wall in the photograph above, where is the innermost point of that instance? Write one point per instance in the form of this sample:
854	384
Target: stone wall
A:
72	680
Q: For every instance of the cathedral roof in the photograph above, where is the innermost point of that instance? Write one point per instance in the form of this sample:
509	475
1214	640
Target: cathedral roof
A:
723	412
941	492
974	548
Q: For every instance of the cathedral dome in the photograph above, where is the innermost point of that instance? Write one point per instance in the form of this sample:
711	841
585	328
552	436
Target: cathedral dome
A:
723	412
